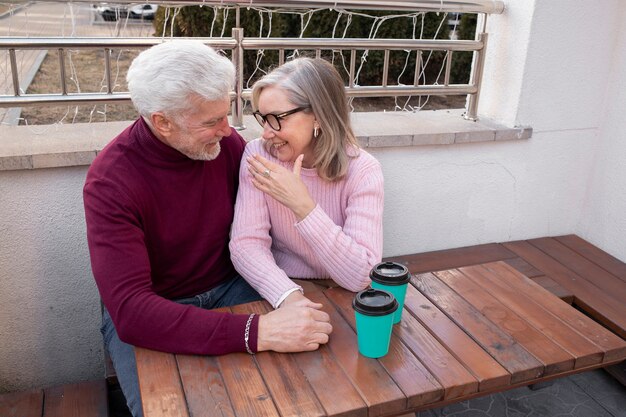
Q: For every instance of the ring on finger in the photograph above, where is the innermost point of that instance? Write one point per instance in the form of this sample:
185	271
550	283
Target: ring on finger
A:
266	173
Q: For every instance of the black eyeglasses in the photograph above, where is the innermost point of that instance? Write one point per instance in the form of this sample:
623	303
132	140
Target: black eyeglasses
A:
274	119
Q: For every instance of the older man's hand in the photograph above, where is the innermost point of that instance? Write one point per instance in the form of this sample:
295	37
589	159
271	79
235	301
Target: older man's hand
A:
296	327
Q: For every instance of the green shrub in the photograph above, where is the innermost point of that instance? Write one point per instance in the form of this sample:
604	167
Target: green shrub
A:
197	21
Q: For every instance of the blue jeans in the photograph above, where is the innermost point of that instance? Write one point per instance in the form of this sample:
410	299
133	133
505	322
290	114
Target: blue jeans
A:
232	292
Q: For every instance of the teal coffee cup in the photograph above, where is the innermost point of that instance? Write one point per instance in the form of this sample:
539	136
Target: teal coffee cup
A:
374	310
392	277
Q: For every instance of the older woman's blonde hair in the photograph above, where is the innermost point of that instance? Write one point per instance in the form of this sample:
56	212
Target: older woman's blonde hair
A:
317	86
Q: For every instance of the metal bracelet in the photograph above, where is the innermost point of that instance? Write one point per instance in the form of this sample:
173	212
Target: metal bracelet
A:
246	335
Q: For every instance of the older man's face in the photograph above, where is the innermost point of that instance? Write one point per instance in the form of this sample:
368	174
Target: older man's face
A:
197	134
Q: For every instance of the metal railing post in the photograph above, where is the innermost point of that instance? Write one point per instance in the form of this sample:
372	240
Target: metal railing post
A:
476	80
352	81
62	71
14	73
237	107
107	69
476	75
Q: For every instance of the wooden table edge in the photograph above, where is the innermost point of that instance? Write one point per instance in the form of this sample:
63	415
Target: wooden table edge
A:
507	388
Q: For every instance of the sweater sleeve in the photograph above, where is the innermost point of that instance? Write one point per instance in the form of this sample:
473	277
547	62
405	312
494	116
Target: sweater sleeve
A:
121	268
250	243
348	253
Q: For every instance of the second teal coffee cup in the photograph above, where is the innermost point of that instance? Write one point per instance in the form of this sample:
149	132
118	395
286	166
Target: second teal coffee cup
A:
392	277
374	310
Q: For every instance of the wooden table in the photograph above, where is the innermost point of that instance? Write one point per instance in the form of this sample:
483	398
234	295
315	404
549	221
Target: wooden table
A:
465	332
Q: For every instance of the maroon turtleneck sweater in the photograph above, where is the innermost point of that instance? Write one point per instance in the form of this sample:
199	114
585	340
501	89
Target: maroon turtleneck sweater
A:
158	226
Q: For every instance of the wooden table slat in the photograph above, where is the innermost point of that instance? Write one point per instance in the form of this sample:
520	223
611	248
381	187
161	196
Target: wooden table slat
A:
453	258
203	386
23	403
376	387
489	373
592	299
161	391
514	358
456	380
554	288
502	287
338	398
612	346
554	358
595	255
523	267
246	389
289	388
331	385
419	386
78	400
609	283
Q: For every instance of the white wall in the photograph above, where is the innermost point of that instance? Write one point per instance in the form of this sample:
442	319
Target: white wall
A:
49	307
604	219
451	196
547	67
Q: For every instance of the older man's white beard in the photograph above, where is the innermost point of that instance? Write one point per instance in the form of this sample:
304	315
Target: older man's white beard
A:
209	156
202	155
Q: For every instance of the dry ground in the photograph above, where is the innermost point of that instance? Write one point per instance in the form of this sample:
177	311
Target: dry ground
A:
85	73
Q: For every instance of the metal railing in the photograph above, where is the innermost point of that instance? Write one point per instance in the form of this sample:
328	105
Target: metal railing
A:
237	44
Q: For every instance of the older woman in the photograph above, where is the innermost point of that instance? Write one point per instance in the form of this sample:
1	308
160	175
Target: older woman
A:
310	201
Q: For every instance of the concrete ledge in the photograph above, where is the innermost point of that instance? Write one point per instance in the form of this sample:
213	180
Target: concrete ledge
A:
62	145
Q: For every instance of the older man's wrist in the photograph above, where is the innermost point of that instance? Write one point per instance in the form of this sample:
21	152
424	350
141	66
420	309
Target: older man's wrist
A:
246	336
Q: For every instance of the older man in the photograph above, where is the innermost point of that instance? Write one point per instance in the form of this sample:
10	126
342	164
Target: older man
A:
159	203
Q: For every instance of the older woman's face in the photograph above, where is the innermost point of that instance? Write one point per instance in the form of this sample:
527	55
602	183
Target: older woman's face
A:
295	136
197	134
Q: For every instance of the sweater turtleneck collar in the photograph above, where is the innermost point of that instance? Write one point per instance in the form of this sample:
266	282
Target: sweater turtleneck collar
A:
155	147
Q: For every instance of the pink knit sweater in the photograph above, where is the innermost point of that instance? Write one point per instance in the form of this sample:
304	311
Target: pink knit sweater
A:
340	239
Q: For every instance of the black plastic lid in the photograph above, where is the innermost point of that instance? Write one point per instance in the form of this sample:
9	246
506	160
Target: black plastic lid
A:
390	273
374	302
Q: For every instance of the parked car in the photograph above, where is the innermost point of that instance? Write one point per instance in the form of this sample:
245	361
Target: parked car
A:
112	12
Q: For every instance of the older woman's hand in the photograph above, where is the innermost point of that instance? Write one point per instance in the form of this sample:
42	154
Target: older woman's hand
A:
284	186
293	298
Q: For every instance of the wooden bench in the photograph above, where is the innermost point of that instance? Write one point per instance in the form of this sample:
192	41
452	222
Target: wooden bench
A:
83	399
568	266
